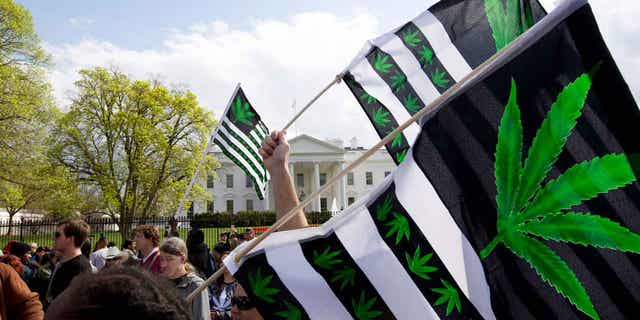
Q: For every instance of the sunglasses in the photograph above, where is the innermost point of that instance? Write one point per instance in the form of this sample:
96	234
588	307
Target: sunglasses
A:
242	302
57	234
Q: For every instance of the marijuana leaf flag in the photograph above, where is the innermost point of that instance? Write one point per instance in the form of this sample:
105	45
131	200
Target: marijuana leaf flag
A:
402	71
239	136
519	198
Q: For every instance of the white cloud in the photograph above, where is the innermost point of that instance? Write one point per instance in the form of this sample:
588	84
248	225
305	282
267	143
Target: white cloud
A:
78	22
278	61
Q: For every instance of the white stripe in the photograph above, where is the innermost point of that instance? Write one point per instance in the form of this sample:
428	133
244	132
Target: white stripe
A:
434	220
256	163
363	242
411	68
548	5
242	161
443	48
374	85
256	136
308	286
243	136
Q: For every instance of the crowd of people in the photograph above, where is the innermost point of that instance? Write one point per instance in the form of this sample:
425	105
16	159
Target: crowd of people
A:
144	278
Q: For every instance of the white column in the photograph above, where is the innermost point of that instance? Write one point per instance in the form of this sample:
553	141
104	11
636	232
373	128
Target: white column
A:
316	185
343	191
266	196
292	172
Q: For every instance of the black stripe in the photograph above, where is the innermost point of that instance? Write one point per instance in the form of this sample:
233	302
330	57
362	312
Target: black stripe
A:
243	155
270	306
351	292
387	68
229	155
372	106
244	143
422	50
385	210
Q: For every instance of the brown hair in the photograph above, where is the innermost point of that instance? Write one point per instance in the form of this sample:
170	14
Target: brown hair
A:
150	232
76	228
176	247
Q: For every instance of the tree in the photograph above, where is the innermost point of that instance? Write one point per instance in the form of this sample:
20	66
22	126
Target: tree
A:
138	142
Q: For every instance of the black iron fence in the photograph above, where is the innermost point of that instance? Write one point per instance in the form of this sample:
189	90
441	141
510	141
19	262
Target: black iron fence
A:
41	231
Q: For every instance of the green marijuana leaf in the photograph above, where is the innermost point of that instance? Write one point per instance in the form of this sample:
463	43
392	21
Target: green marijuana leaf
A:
398	226
381	117
381	64
397	140
362	308
370	99
401	155
448	294
411	103
426	55
383	209
398	80
411	38
418	264
292	312
507	23
326	259
520	217
260	286
439	78
347	275
242	112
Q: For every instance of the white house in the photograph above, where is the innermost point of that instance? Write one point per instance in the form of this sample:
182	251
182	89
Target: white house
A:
312	163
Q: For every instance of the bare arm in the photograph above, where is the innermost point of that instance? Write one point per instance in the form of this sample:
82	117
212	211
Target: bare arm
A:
275	153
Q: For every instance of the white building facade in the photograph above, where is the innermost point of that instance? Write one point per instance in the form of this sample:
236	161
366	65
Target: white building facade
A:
312	163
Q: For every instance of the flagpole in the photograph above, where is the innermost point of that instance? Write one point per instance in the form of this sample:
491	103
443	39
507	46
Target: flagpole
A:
204	155
336	80
474	77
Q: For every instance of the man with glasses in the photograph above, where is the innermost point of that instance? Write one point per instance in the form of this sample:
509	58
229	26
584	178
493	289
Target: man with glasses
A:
69	237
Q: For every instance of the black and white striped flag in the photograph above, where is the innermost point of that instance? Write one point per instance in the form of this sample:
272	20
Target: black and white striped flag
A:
399	73
519	199
239	135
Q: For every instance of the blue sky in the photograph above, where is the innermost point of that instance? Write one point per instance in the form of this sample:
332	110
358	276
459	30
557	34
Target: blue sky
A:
281	51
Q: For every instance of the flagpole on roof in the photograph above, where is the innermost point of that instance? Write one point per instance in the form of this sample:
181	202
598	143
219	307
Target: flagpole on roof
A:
194	177
336	80
474	77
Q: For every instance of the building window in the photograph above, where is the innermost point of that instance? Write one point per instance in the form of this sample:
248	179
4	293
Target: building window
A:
229	181
323	204
230	206
351	200
210	181
249	204
323	179
386	173
350	178
209	206
248	182
300	180
369	178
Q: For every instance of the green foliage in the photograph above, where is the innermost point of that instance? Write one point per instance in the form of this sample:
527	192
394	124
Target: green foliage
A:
439	78
412	39
381	117
401	155
242	112
398	81
370	99
398	226
326	259
397	140
519	218
418	264
362	308
411	103
249	218
384	208
448	294
346	276
507	23
551	269
380	63
426	56
292	312
260	286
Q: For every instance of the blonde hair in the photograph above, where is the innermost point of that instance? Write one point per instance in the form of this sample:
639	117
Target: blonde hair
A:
176	247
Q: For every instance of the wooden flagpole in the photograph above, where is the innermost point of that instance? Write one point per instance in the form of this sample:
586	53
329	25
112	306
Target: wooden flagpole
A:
474	77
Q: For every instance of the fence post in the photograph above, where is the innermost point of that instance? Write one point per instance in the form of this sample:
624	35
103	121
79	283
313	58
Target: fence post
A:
20	232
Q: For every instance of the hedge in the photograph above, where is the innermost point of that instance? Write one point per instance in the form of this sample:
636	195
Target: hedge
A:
249	219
